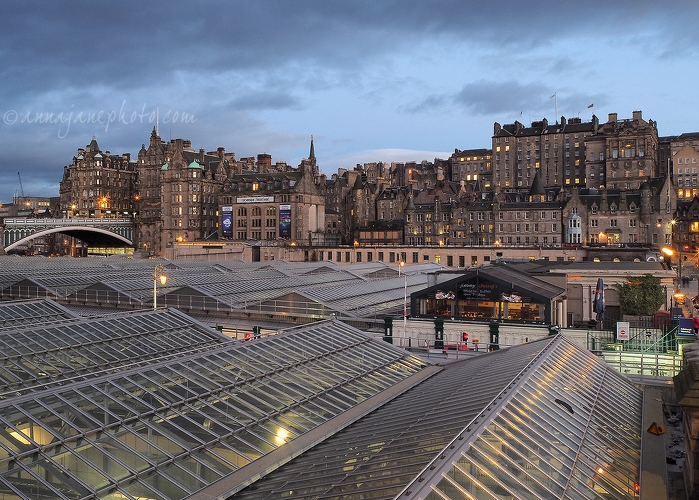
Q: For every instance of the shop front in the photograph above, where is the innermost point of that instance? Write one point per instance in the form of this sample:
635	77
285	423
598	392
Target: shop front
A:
490	294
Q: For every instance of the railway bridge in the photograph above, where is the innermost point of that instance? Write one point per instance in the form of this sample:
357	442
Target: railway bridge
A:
19	231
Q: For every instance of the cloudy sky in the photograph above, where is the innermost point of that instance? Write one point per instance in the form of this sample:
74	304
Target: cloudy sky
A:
369	80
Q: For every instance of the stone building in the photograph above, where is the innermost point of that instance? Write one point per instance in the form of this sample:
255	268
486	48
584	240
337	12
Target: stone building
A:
272	206
623	154
684	155
471	165
556	151
428	215
532	219
98	184
190	184
685	240
178	193
613	217
335	192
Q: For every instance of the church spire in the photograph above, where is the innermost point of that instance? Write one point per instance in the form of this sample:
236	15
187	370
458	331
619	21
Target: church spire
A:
312	159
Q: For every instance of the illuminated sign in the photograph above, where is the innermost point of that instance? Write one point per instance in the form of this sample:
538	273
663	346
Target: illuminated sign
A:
285	221
255	199
227	221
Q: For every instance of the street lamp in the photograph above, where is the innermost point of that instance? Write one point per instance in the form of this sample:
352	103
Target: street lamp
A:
670	252
405	297
158	275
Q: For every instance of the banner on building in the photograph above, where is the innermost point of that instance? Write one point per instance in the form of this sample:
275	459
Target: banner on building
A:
227	223
285	221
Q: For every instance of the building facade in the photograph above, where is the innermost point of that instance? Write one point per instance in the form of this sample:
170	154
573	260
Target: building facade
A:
472	165
273	207
98	184
684	151
625	151
556	151
612	217
178	191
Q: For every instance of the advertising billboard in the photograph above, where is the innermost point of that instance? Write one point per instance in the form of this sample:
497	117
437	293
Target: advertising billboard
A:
285	221
227	222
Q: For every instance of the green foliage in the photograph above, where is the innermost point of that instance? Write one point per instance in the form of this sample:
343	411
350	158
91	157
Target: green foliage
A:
640	295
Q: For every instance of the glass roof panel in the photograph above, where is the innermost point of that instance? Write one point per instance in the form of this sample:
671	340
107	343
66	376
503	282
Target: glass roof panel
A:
528	432
88	346
545	442
197	415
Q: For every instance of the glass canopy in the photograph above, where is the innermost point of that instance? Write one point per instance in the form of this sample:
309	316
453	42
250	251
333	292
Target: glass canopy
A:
539	420
156	406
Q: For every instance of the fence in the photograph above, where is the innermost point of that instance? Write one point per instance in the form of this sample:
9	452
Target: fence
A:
652	349
641	339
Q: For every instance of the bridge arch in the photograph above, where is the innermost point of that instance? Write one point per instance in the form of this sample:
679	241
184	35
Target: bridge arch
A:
94	236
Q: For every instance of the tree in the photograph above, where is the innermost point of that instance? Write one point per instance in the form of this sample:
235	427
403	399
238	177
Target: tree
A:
640	295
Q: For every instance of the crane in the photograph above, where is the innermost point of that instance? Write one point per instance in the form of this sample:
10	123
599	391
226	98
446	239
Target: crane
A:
21	189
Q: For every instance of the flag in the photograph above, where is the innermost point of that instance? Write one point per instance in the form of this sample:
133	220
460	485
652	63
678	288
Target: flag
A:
598	304
591	105
554	95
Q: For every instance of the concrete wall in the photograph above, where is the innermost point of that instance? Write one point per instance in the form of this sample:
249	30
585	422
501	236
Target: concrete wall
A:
419	331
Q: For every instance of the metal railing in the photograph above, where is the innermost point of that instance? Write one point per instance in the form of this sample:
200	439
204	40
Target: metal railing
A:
651	339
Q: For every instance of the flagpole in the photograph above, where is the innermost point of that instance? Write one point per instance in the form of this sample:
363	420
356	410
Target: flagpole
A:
555	101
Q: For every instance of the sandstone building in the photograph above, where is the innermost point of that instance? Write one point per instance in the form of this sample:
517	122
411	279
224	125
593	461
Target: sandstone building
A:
564	185
98	184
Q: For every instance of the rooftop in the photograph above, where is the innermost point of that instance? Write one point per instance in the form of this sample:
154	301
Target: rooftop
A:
153	404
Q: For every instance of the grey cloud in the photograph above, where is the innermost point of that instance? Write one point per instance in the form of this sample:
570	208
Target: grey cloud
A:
122	43
251	100
429	103
489	97
225	61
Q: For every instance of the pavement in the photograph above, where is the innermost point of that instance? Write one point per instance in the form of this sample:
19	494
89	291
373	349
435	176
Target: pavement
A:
690	290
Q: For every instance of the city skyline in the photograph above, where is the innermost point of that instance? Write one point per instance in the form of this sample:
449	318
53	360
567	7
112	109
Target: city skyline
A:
370	82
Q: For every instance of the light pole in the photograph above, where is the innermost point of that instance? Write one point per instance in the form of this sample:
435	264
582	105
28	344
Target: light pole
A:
669	252
405	298
158	275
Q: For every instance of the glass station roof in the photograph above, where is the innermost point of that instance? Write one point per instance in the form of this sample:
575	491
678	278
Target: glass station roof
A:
22	313
540	420
353	290
40	356
123	420
151	405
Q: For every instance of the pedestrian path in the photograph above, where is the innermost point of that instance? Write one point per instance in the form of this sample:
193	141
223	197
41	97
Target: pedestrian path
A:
690	290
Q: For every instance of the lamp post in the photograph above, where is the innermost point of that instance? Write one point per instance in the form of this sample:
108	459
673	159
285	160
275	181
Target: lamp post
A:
158	275
405	297
669	252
